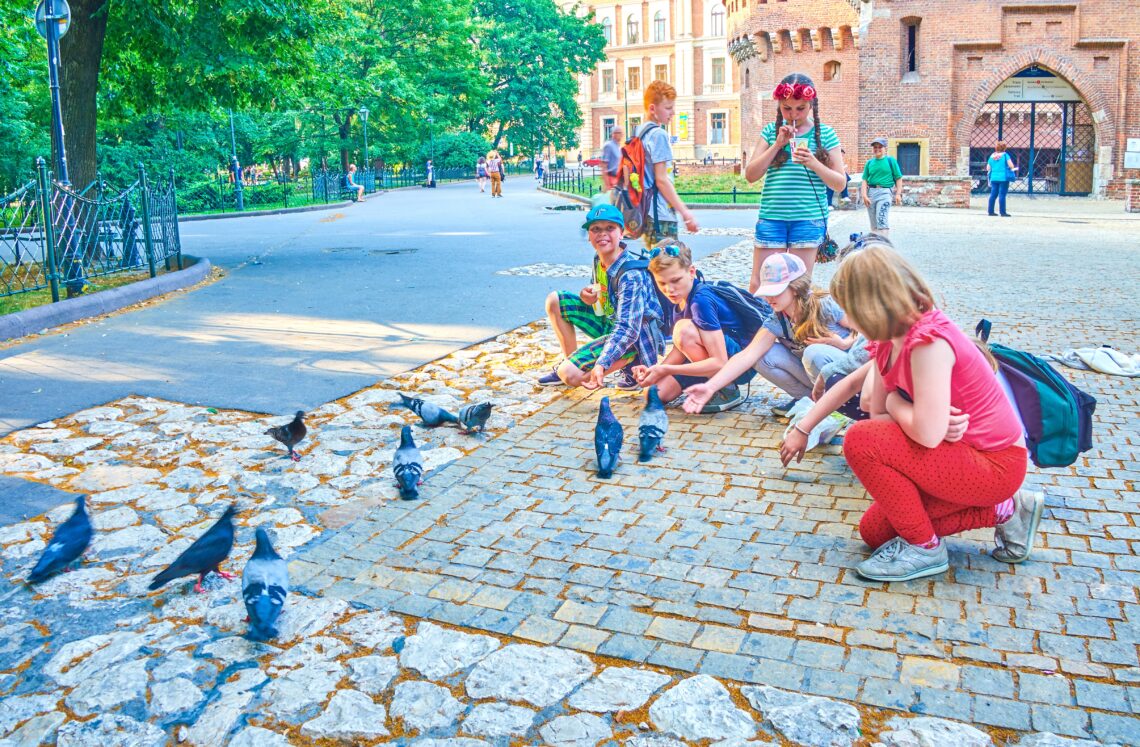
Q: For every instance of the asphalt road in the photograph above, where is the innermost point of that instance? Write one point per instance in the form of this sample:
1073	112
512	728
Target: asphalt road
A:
317	305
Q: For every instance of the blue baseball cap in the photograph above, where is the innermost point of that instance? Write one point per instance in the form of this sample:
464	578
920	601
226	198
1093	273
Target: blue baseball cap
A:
604	212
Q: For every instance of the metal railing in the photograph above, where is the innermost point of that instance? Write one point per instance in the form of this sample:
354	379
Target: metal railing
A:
52	236
586	184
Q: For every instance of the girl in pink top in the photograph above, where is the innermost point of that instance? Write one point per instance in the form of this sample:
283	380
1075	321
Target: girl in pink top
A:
943	450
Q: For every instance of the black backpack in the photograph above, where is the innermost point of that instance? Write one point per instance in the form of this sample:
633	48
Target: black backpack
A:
751	311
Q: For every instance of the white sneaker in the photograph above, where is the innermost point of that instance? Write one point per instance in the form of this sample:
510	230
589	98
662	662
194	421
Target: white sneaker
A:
898	560
1014	538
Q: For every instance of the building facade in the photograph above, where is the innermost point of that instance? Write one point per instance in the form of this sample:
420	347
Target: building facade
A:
1057	81
681	41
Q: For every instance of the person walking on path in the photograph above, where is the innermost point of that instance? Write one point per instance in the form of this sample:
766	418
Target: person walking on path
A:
1002	170
660	102
495	171
611	159
793	205
481	173
538	167
882	184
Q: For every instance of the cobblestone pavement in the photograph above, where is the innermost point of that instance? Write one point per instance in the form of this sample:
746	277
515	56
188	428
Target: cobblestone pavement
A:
684	601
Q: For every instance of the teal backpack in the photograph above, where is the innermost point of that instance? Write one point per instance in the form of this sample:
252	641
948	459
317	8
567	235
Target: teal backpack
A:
1057	416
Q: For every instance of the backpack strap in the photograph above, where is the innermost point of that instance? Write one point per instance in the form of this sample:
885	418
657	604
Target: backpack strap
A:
982	331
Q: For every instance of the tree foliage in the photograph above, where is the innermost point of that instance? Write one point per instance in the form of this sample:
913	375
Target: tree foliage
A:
155	82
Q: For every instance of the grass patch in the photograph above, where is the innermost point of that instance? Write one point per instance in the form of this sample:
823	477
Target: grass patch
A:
31	299
696	188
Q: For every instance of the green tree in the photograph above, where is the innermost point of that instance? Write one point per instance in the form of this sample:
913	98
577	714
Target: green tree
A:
23	89
191	55
532	52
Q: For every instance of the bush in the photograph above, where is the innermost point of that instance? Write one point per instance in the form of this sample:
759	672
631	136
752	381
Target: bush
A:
456	150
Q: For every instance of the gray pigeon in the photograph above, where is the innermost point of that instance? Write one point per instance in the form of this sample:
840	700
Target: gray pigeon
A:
408	466
68	542
264	584
608	437
474	417
205	555
290	434
652	427
431	414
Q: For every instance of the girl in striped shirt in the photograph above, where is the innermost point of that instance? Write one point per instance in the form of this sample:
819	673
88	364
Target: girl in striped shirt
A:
799	157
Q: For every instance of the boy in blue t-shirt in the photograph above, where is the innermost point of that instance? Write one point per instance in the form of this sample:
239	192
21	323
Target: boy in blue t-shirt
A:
707	331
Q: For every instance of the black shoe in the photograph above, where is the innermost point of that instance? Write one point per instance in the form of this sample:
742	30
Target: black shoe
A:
1006	215
992	215
782	410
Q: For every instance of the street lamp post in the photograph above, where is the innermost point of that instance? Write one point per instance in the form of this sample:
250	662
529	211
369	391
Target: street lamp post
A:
364	119
431	136
239	198
55	25
625	98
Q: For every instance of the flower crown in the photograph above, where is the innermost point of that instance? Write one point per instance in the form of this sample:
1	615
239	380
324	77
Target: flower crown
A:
800	91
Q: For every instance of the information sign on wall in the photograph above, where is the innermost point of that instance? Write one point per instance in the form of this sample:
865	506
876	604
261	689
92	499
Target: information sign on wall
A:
1034	89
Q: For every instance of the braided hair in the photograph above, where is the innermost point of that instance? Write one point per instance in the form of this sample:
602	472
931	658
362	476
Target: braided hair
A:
820	153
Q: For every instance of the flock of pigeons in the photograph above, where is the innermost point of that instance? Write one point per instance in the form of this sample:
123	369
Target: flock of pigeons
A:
265	578
608	433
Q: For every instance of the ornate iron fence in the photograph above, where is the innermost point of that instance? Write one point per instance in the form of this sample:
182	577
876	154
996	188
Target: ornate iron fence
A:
52	236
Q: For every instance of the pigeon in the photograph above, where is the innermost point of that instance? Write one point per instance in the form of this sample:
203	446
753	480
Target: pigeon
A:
652	427
207	552
431	414
474	417
68	542
264	584
408	465
608	437
290	434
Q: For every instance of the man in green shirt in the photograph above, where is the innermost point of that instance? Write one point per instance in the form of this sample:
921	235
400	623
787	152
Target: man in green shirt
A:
882	180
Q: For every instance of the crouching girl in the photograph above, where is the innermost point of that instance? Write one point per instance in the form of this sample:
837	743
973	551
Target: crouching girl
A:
943	450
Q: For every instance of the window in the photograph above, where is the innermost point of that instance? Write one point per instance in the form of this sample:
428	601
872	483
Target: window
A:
661	72
747	78
716	28
608	30
634	78
634	123
718	128
909	156
631	29
717	74
910	45
608	124
658	26
831	70
607	81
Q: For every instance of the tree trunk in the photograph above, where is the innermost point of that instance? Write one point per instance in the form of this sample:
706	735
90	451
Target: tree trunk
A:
344	130
81	53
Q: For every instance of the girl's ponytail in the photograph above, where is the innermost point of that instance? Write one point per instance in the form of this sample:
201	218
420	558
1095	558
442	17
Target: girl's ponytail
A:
810	303
781	155
820	153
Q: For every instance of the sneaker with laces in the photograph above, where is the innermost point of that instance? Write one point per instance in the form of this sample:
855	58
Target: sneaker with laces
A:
550	379
625	382
782	410
1014	538
898	560
724	400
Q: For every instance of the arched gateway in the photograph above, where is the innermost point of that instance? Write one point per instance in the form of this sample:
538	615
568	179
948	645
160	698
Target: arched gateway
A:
1048	130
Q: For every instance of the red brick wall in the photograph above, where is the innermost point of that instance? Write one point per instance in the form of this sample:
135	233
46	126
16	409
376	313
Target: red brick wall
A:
965	50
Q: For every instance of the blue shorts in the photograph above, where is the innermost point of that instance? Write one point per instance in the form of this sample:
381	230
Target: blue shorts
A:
732	347
789	234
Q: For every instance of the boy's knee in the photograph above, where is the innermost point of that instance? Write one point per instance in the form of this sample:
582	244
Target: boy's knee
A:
571	374
553	308
686	336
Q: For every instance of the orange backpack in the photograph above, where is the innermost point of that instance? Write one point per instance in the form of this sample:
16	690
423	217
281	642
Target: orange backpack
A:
638	205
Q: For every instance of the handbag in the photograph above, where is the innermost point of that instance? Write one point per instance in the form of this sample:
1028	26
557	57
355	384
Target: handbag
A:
828	249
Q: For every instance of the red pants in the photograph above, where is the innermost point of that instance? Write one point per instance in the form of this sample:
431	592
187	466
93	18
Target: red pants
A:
919	492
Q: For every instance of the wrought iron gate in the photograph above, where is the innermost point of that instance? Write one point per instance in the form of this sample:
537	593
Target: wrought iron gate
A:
1053	144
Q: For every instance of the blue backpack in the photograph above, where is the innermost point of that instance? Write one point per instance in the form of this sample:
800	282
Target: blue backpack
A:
1057	416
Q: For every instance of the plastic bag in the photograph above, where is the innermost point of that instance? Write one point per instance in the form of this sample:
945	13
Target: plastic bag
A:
823	432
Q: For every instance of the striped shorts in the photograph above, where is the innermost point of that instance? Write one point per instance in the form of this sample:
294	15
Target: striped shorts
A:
582	317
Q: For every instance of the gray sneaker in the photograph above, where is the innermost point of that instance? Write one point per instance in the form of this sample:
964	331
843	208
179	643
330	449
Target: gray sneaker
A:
898	560
1014	538
724	400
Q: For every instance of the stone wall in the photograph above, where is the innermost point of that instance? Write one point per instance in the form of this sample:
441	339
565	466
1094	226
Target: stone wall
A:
937	191
1132	195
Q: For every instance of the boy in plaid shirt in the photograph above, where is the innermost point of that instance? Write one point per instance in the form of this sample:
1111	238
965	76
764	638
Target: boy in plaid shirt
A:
619	311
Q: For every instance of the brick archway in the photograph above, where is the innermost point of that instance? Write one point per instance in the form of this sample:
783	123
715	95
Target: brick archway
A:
1057	64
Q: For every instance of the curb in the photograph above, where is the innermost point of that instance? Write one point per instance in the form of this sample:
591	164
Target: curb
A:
692	205
40	318
277	211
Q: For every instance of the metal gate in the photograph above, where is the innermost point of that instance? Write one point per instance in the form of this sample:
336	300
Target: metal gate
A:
1052	143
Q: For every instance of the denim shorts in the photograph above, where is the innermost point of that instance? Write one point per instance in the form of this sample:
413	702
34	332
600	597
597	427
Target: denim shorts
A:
789	234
